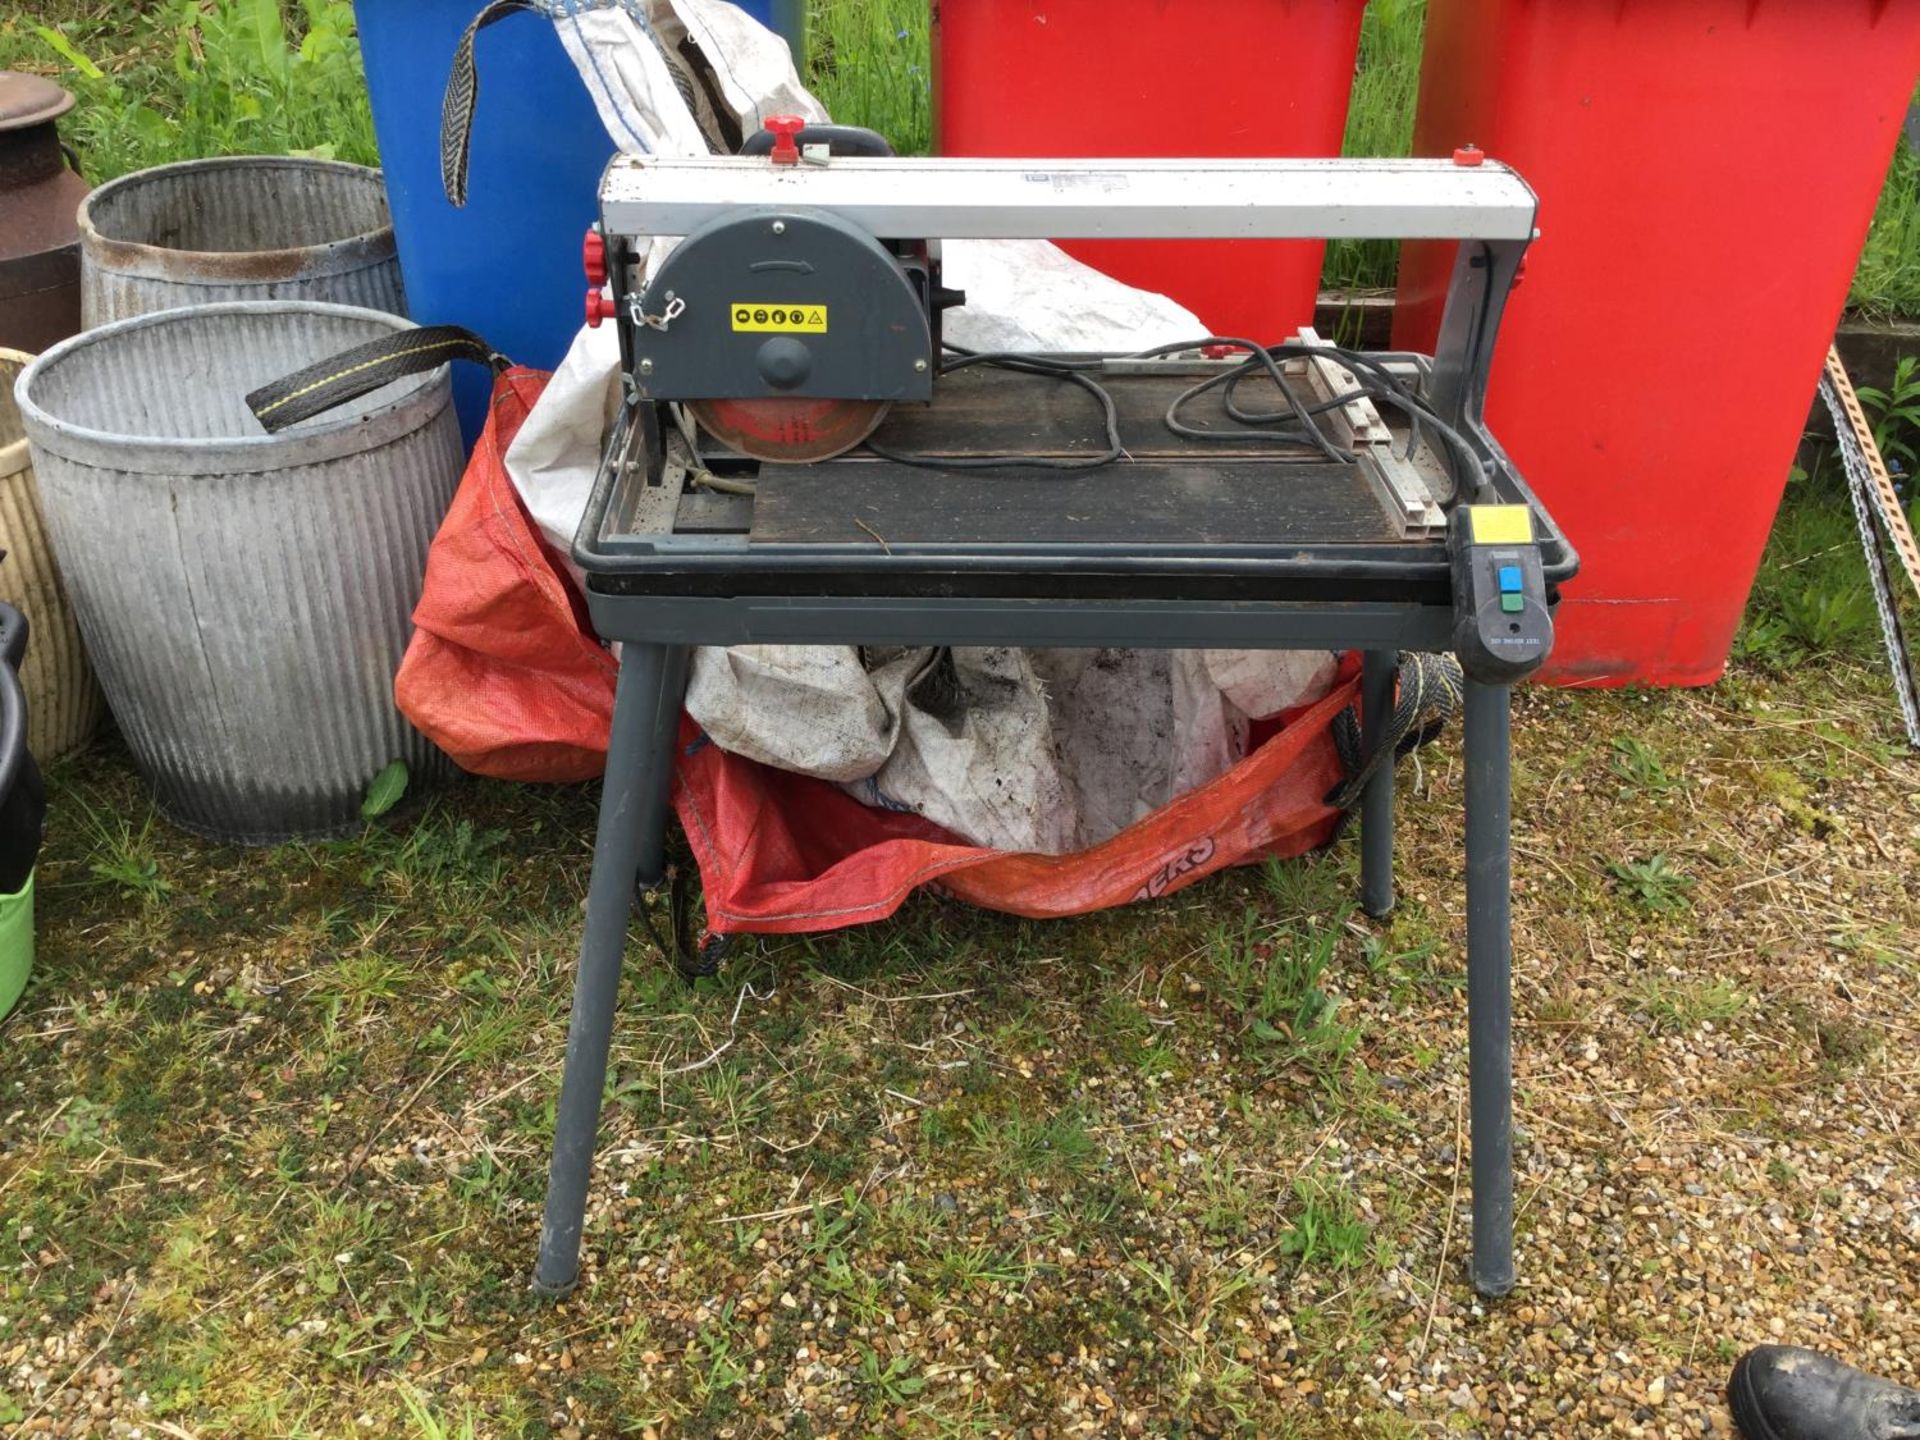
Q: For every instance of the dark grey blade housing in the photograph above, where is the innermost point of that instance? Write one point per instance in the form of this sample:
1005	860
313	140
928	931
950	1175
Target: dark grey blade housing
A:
795	303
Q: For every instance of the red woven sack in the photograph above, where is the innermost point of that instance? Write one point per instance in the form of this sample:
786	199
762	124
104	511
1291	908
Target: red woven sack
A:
503	672
782	853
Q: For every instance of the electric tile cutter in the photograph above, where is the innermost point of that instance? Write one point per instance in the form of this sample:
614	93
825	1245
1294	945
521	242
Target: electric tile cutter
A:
800	459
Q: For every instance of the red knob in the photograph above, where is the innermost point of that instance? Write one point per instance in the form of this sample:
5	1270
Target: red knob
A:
593	258
599	307
1469	154
783	129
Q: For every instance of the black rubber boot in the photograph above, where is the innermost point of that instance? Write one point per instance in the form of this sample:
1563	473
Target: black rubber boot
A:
1780	1392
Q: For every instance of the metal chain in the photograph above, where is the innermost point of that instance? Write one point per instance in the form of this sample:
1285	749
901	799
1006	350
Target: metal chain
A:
1866	513
676	307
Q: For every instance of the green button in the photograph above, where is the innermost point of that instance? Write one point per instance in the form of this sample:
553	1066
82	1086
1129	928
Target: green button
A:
1513	604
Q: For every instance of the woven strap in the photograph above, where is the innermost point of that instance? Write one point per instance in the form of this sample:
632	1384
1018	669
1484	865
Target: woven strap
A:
463	94
351	373
463	81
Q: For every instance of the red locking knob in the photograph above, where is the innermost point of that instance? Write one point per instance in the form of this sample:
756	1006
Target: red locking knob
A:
784	128
599	307
593	258
1469	154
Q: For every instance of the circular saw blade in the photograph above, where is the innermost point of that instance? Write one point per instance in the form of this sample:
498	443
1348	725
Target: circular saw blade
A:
790	430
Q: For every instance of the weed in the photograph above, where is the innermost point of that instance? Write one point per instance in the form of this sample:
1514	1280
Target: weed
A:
1639	764
969	1268
1193	1308
1022	1146
428	1425
1811	596
1828	613
1845	1043
385	791
1229	1205
1326	1229
1652	884
1277	976
715	1367
1685	1004
1313	885
123	854
891	1382
1895	414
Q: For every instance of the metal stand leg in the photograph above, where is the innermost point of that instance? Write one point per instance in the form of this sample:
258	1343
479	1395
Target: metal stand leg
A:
1376	801
1489	995
631	841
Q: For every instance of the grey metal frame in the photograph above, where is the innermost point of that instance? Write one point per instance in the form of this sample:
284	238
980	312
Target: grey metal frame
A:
658	627
958	199
634	817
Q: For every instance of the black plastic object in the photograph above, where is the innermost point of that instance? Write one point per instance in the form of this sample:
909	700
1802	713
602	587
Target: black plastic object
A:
1782	1392
23	795
853	141
1503	627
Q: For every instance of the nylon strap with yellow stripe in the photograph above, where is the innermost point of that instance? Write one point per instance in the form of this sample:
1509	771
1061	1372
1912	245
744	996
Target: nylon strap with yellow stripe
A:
352	373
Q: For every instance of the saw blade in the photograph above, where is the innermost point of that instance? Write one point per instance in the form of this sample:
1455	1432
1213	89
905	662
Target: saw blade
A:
790	430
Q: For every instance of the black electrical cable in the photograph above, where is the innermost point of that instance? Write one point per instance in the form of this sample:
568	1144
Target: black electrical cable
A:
1465	466
1027	365
1389	383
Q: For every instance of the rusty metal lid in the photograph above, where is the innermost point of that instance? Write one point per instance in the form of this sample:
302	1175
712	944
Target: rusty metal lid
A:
30	100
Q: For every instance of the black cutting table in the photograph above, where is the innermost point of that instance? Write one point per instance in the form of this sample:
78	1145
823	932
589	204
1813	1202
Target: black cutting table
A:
1180	544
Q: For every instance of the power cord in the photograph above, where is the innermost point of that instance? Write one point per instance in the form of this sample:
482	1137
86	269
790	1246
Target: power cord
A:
1375	382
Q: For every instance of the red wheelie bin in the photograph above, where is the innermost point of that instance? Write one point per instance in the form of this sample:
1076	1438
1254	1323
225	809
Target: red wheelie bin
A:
1090	78
1707	171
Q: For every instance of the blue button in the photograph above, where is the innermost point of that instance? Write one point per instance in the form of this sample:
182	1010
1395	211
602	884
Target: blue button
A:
1509	578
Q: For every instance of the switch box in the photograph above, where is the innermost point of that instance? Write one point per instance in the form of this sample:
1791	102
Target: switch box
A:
1503	626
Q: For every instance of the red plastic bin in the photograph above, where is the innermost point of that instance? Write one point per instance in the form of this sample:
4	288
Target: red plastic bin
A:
1707	171
1227	78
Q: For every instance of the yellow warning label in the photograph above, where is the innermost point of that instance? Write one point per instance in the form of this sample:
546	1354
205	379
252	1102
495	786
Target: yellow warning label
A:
1501	524
805	319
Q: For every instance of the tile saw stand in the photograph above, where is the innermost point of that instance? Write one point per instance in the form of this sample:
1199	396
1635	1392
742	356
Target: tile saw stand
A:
1180	541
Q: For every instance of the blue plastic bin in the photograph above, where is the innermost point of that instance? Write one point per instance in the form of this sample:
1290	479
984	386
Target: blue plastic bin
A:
508	264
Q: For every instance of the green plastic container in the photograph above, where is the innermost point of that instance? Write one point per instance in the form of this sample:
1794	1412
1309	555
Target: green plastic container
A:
16	944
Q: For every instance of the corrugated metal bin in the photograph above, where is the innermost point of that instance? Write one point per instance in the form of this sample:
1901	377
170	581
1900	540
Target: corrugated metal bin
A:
63	702
246	598
249	227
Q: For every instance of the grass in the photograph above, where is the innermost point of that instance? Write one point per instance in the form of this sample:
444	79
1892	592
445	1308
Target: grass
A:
870	65
291	1110
1811	597
1887	282
1379	123
180	79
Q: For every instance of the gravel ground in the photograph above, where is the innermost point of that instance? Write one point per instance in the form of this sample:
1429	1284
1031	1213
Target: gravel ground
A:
275	1152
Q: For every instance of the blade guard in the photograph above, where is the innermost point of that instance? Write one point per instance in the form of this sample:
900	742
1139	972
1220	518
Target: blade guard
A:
788	305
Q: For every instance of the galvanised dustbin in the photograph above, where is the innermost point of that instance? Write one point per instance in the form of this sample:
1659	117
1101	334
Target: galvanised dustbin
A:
245	598
242	227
